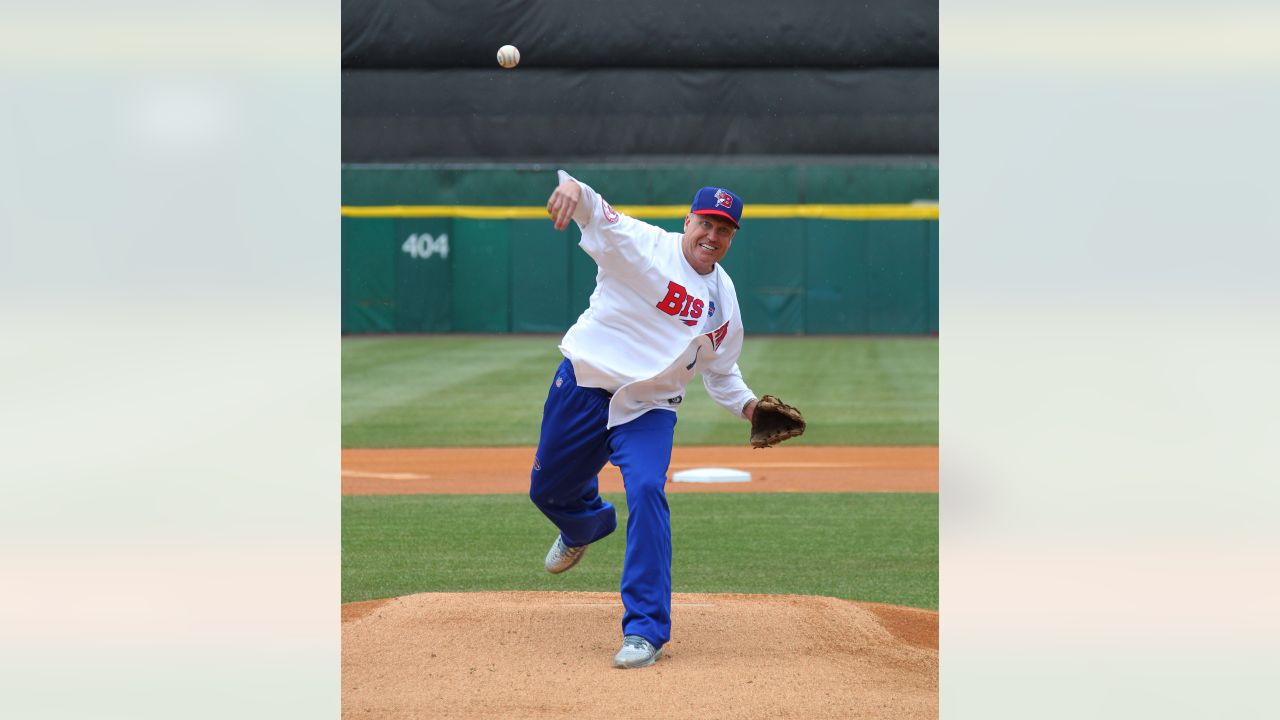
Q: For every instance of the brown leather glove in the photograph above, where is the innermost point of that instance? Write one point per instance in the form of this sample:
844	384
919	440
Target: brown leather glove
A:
774	421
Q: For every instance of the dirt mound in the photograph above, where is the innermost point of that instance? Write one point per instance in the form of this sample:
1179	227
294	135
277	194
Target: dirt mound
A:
547	655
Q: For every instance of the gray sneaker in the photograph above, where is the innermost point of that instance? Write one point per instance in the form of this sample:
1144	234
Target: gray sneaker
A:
636	652
561	557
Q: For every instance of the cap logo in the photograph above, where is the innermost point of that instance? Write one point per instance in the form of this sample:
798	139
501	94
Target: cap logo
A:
724	199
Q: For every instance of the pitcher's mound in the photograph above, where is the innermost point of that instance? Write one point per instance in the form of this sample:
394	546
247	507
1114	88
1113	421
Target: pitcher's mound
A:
547	655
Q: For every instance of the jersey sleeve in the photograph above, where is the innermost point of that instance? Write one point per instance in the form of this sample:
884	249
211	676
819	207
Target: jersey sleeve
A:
721	376
728	389
617	242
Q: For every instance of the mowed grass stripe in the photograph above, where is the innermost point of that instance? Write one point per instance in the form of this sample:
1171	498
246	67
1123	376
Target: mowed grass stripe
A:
879	547
853	391
389	373
448	390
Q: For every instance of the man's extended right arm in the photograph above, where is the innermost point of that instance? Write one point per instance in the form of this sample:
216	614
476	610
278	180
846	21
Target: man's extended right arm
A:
616	242
567	201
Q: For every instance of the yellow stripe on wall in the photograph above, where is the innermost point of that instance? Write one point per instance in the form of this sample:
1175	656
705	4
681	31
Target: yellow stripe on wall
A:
914	211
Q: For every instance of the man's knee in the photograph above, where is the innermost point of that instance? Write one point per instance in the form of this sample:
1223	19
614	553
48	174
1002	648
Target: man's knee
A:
646	487
550	491
542	485
543	496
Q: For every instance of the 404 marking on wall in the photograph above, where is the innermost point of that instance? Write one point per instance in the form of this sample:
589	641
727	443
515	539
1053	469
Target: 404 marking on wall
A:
423	246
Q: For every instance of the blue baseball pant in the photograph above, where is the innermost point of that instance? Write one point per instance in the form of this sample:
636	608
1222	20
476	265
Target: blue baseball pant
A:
573	448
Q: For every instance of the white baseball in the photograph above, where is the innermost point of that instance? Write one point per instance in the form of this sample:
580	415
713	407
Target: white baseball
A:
508	56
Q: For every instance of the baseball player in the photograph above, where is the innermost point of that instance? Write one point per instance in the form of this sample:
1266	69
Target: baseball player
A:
662	310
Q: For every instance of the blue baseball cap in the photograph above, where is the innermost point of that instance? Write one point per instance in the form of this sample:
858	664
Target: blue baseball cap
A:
717	201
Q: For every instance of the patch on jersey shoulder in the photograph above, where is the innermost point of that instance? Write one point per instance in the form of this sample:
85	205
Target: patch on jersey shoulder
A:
610	214
717	336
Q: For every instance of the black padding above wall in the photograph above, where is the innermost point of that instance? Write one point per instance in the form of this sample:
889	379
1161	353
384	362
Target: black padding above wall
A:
640	33
406	116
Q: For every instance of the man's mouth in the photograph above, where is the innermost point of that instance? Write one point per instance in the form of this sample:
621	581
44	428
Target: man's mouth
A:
706	247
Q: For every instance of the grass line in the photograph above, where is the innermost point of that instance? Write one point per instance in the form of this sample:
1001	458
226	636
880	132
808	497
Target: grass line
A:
450	390
880	547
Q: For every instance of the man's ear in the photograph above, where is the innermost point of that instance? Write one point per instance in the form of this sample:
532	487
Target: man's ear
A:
687	218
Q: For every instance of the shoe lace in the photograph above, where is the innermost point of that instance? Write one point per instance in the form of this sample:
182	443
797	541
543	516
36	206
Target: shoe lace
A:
571	552
635	641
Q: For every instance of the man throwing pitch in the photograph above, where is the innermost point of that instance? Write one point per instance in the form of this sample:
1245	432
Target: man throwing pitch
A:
662	310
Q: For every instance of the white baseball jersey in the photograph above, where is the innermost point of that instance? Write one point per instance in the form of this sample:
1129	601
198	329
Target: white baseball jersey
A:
653	321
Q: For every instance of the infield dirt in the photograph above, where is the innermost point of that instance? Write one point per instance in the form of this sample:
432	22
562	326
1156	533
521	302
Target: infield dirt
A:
467	656
781	469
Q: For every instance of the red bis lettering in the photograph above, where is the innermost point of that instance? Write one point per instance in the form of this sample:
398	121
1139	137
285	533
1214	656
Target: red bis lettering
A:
679	302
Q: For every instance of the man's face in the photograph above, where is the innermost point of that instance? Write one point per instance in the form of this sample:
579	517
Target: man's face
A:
706	240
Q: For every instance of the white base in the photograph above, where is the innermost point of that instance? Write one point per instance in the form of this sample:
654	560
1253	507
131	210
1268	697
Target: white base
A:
712	475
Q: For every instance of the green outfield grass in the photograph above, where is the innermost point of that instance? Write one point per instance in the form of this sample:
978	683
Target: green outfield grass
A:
880	547
454	390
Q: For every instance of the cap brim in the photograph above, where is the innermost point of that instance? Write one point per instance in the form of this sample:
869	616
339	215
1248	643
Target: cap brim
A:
721	213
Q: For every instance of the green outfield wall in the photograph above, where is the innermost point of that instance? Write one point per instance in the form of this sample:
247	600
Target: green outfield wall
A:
824	247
